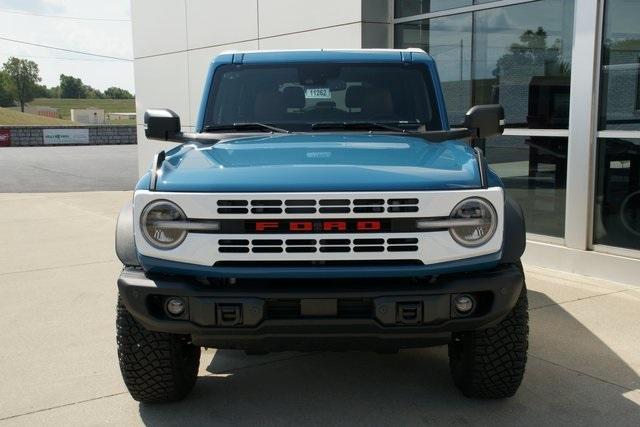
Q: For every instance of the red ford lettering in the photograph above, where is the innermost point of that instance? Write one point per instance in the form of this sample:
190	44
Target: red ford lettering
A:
266	225
334	226
368	225
301	226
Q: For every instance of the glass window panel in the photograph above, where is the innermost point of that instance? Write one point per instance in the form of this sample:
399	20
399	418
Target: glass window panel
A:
617	207
620	76
520	58
448	40
534	172
416	7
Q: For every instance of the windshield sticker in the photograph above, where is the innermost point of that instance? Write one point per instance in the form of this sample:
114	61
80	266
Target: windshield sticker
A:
317	93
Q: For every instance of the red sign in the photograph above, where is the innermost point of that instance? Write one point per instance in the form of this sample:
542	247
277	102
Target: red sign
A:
5	137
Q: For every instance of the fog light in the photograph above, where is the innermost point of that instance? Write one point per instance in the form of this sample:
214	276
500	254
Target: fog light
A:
175	306
464	304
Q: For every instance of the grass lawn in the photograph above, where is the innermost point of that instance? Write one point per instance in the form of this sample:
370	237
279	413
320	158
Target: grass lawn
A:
108	105
11	117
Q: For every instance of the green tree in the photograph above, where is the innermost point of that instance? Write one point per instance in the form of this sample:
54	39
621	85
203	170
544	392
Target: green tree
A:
25	75
92	93
531	52
6	90
40	91
72	87
117	93
54	92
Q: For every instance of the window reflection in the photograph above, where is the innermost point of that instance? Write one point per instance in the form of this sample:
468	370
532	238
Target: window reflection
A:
416	7
617	207
534	171
520	58
448	40
620	76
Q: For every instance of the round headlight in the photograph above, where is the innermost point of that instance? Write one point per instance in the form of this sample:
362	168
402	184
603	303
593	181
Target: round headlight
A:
478	222
155	223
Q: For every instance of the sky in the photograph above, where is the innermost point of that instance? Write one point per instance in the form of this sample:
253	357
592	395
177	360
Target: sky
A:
96	26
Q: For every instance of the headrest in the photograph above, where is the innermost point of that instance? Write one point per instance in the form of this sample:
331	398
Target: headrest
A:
353	97
268	105
293	97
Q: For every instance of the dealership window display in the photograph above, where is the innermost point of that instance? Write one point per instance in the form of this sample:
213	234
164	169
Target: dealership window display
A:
616	219
518	56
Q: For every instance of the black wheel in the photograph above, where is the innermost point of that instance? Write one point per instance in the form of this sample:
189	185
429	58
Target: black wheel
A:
156	366
490	363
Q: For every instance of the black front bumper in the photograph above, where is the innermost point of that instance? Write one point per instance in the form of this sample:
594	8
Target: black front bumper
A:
319	314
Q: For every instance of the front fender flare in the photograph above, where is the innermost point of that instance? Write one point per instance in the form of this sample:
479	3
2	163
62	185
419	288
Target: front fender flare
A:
515	234
125	238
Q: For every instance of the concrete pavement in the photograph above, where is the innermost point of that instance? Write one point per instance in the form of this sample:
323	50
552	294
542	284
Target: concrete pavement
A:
59	364
68	168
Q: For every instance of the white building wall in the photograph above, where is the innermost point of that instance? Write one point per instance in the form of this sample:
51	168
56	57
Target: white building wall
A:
175	40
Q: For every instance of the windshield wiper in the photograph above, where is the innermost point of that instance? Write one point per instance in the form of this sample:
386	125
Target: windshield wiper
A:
244	126
356	125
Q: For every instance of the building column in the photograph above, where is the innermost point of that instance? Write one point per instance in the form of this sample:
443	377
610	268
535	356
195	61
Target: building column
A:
583	124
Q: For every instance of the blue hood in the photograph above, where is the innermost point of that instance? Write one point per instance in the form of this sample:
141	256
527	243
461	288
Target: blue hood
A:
314	162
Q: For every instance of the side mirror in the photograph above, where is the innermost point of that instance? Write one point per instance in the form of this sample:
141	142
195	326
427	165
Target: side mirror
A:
162	124
484	121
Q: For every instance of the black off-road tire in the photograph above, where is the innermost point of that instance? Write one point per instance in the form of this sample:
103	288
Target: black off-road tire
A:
156	366
490	363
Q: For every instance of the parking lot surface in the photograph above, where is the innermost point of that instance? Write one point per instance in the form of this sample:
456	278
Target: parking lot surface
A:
68	168
59	364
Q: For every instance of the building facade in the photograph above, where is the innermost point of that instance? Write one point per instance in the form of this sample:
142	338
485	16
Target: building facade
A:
566	71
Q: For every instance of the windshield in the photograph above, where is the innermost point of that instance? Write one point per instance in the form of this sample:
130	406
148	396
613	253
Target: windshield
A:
296	96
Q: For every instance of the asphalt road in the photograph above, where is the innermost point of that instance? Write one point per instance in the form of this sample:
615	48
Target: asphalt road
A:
68	168
59	364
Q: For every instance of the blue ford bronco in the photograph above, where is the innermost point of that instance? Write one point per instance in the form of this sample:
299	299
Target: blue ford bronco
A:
323	202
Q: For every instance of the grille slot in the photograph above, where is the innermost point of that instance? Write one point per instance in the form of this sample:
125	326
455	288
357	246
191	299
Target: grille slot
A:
368	241
232	203
300	202
368	209
234	249
266	249
300	210
266	210
301	242
368	202
397	209
335	202
402	241
266	202
233	210
232	242
335	248
402	201
335	210
402	248
272	242
335	241
368	249
301	249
